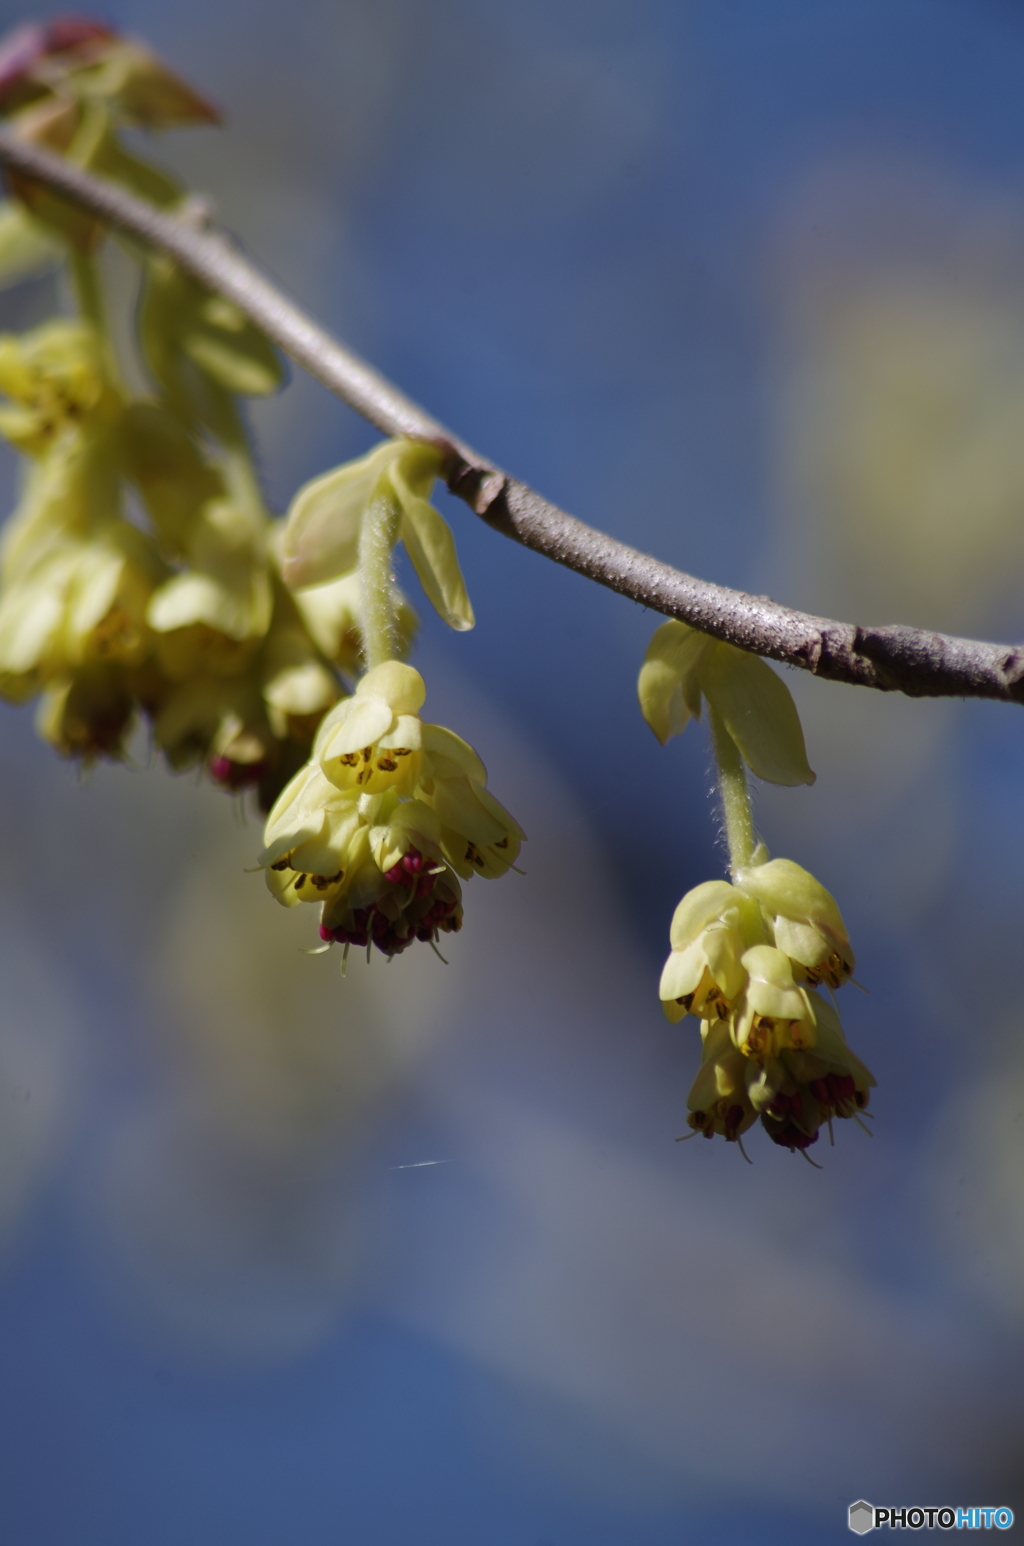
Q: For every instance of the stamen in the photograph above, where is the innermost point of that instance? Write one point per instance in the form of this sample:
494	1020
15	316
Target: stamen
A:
437	952
344	961
743	1151
811	1162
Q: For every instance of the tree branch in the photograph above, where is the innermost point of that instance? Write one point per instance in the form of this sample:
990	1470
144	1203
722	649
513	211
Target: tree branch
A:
892	659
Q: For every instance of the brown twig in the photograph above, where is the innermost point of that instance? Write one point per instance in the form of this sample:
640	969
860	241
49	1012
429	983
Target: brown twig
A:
893	659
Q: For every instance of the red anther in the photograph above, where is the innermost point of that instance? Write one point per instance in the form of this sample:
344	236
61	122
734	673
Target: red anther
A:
424	885
783	1105
235	775
733	1118
841	1086
821	1092
413	861
340	936
380	923
789	1136
425	935
326	933
66	32
396	874
358	937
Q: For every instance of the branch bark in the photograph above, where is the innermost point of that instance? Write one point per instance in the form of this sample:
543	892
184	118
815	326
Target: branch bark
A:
892	658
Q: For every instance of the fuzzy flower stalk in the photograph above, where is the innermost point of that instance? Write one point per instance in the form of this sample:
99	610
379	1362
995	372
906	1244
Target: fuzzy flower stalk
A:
750	955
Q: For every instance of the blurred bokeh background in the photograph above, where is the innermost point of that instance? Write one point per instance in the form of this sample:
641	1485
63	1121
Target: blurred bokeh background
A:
744	285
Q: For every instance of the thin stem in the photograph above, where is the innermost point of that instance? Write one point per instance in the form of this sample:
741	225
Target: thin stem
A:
377	537
236	457
735	794
892	658
85	279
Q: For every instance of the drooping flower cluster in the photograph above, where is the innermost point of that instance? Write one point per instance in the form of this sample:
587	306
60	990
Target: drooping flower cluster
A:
747	960
385	819
182	616
142	573
749	956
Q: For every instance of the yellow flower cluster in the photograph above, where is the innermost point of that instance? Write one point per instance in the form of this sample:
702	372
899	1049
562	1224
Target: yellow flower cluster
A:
385	818
183	615
747	960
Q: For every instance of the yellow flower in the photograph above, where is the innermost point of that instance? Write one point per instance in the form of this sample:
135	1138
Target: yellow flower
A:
802	1088
56	379
792	1090
373	740
711	928
718	1100
478	836
384	818
774	1012
805	920
373	861
89	714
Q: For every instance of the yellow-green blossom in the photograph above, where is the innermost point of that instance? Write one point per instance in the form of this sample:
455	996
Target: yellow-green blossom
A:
774	1011
373	740
384	818
711	928
718	1100
373	861
806	922
56	380
478	836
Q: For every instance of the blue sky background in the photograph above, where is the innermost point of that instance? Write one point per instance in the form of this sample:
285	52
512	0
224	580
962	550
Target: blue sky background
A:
744	285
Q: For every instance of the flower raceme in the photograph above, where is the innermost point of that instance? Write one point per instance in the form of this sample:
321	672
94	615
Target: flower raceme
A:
383	820
746	959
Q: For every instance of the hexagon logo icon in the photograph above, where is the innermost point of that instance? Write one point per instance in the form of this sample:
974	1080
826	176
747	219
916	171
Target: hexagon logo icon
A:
862	1517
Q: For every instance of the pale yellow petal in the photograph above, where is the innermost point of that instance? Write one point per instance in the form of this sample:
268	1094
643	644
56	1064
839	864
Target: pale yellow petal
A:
682	972
446	755
402	686
357	724
699	907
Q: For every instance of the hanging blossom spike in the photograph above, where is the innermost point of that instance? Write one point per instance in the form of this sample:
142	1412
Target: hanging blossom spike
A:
384	820
748	954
